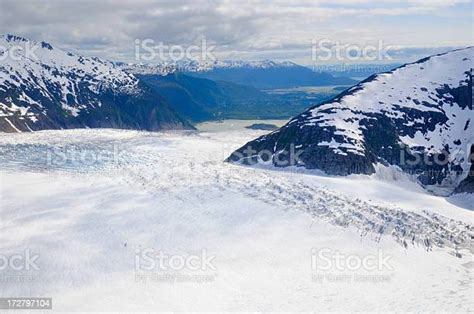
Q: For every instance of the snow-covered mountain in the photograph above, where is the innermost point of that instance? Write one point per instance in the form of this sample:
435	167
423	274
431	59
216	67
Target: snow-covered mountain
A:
44	87
147	69
269	74
164	68
418	117
263	74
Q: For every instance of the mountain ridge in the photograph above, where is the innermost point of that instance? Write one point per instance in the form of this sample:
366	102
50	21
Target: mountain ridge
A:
261	74
44	87
408	117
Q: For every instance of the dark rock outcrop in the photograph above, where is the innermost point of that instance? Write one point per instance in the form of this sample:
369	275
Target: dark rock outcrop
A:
467	185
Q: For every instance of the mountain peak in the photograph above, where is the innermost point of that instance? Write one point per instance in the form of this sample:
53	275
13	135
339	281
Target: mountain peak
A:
10	38
42	87
418	111
13	38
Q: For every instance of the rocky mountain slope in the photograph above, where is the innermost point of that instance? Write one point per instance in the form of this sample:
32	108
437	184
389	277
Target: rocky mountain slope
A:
43	87
198	99
418	117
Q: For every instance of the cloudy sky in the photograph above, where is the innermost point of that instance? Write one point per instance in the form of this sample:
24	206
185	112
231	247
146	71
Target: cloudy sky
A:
281	30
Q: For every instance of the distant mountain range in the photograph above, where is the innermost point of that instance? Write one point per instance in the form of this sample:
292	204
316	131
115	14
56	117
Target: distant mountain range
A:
199	99
185	87
264	74
54	89
418	117
271	75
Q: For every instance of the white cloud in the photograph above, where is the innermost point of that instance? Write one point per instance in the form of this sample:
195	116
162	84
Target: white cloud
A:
109	28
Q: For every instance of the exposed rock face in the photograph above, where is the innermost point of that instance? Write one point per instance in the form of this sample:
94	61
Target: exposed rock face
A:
418	117
467	185
43	87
